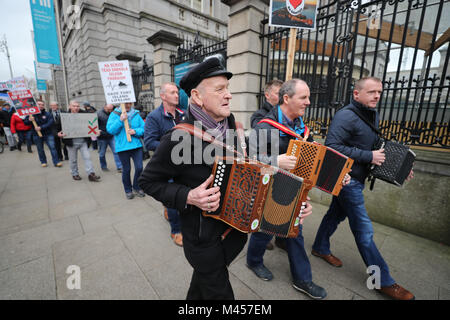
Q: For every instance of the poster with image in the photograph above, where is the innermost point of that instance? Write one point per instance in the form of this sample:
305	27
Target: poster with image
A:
300	14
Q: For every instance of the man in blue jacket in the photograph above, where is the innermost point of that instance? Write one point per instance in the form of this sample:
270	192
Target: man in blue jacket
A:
125	149
158	122
45	123
350	135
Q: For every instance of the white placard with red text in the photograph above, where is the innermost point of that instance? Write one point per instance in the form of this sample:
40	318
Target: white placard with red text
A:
117	81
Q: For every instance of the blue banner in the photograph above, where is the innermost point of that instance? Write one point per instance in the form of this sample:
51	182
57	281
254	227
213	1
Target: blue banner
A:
45	35
179	71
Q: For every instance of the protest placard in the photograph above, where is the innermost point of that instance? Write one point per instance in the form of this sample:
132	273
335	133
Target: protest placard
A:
117	82
117	85
24	102
79	125
293	13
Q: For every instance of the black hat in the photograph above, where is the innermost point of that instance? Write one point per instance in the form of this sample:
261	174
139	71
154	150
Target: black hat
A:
211	67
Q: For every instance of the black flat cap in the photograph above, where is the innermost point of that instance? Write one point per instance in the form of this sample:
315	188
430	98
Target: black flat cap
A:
211	67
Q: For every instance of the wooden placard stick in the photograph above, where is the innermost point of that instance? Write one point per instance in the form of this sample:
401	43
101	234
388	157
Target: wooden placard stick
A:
127	126
35	125
291	53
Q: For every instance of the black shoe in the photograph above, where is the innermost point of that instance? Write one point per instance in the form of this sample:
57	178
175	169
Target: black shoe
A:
129	195
12	148
19	146
105	169
269	246
262	272
310	289
94	178
29	149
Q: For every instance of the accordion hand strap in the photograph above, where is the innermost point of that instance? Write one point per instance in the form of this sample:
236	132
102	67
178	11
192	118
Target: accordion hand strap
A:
205	136
285	129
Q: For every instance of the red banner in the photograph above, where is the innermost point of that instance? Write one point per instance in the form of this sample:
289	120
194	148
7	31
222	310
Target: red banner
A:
24	102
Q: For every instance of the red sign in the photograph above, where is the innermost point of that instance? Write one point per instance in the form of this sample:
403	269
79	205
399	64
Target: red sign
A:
24	102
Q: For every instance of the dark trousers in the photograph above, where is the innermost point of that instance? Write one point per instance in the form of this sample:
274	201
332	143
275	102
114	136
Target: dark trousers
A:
58	146
125	158
213	285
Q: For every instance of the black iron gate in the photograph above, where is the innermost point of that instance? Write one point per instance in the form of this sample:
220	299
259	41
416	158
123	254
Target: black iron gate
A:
402	42
144	87
195	51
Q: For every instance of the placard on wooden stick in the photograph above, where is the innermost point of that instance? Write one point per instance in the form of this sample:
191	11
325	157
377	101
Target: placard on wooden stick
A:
118	85
296	14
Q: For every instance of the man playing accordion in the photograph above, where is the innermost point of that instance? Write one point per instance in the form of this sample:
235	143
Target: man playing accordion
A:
350	135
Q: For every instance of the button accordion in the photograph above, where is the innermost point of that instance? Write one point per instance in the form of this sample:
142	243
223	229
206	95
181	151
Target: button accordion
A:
322	165
255	197
397	165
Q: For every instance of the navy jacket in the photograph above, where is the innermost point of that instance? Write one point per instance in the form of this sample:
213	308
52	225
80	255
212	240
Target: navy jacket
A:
157	123
43	120
350	135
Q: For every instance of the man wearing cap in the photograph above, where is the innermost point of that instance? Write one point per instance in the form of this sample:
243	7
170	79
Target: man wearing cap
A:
209	244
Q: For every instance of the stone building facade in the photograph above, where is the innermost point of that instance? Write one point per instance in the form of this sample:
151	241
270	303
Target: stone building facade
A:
98	30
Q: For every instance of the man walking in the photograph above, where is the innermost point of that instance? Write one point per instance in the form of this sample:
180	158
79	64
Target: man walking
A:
352	136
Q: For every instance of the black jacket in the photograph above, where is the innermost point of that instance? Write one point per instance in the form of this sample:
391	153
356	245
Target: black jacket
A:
5	117
260	114
102	121
202	242
350	135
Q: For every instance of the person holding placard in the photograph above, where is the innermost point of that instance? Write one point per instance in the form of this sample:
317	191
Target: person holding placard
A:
75	144
44	123
127	150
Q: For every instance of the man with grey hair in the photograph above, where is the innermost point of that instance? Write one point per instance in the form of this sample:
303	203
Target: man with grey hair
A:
271	92
293	101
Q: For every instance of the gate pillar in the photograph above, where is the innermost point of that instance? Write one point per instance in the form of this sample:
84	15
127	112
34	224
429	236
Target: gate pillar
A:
164	44
244	55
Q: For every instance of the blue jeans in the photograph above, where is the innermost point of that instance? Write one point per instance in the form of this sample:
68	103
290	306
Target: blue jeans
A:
125	157
298	260
102	145
350	203
50	141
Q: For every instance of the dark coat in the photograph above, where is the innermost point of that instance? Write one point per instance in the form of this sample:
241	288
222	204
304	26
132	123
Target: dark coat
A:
102	121
260	114
43	120
158	122
202	242
350	135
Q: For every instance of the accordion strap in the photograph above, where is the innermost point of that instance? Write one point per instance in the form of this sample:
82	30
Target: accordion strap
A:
205	136
285	129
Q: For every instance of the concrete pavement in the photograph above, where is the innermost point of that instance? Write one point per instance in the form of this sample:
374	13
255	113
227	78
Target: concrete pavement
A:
49	222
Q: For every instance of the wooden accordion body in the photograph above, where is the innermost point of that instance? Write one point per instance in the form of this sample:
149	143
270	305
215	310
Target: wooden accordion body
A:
256	197
324	166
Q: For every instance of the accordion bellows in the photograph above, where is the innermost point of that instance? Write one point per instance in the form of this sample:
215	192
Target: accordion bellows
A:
324	166
397	165
256	197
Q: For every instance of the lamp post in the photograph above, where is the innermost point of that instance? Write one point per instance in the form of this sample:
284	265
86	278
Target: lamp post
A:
4	48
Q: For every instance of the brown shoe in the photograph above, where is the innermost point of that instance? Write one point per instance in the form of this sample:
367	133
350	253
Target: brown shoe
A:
397	292
335	262
77	177
92	177
269	246
177	238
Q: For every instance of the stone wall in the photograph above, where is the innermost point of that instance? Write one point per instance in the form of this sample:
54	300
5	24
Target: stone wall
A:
420	207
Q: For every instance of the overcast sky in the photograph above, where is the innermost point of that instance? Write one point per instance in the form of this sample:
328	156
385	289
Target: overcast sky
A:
16	24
